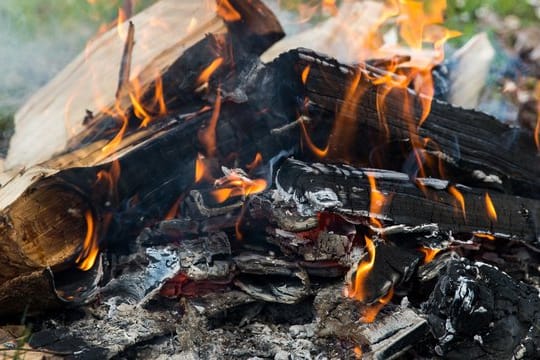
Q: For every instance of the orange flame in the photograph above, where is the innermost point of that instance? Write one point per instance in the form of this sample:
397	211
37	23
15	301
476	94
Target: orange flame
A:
358	352
376	201
484	235
256	162
305	74
207	137
173	211
90	250
429	254
209	70
226	11
370	312
459	197
235	184
356	289
492	213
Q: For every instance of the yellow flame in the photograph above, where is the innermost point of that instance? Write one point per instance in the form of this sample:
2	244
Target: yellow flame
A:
484	235
370	312
459	197
209	70
226	11
90	250
429	254
305	74
376	201
492	213
356	290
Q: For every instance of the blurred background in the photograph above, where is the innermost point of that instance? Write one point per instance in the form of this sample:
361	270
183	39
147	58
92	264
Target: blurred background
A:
39	37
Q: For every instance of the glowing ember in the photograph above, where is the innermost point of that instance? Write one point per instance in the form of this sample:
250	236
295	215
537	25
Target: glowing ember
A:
227	11
429	254
490	208
459	198
210	69
90	250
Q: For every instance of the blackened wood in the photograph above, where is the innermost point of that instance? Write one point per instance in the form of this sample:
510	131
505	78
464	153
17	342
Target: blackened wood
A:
477	311
469	140
347	190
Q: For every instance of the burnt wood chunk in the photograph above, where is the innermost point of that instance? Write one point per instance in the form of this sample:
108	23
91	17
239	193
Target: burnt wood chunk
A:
477	311
346	190
475	147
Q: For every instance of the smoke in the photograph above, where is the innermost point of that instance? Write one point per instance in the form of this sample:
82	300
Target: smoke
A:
32	52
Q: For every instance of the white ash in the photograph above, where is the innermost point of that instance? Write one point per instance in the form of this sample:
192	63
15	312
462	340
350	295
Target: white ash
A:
491	178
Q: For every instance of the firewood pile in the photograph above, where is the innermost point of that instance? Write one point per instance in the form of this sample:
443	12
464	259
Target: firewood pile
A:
297	208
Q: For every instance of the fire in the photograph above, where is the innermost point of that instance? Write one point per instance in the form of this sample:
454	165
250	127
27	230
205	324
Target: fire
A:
305	74
370	313
236	184
492	213
207	137
483	235
90	250
256	162
227	11
459	197
200	168
209	70
356	290
358	352
429	254
376	201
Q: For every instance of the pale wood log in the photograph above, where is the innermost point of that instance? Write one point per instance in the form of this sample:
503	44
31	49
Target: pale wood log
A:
46	122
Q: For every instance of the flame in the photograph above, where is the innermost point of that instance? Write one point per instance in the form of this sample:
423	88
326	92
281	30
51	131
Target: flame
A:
356	290
484	235
236	184
305	74
492	213
226	11
90	250
200	168
370	312
173	211
376	201
429	253
256	162
358	352
209	70
459	197
330	7
207	137
109	179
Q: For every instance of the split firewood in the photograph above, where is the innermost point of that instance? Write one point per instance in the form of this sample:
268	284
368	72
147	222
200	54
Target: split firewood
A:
55	114
474	147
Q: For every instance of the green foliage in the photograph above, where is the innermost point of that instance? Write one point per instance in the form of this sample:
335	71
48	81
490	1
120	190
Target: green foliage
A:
41	17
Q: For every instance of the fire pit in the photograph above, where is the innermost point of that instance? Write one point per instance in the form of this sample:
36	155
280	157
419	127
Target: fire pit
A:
219	206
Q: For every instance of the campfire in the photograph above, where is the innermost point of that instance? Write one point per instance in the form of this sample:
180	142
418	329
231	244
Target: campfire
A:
229	192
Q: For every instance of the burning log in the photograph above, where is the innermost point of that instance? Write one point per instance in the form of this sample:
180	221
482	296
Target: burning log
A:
391	120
